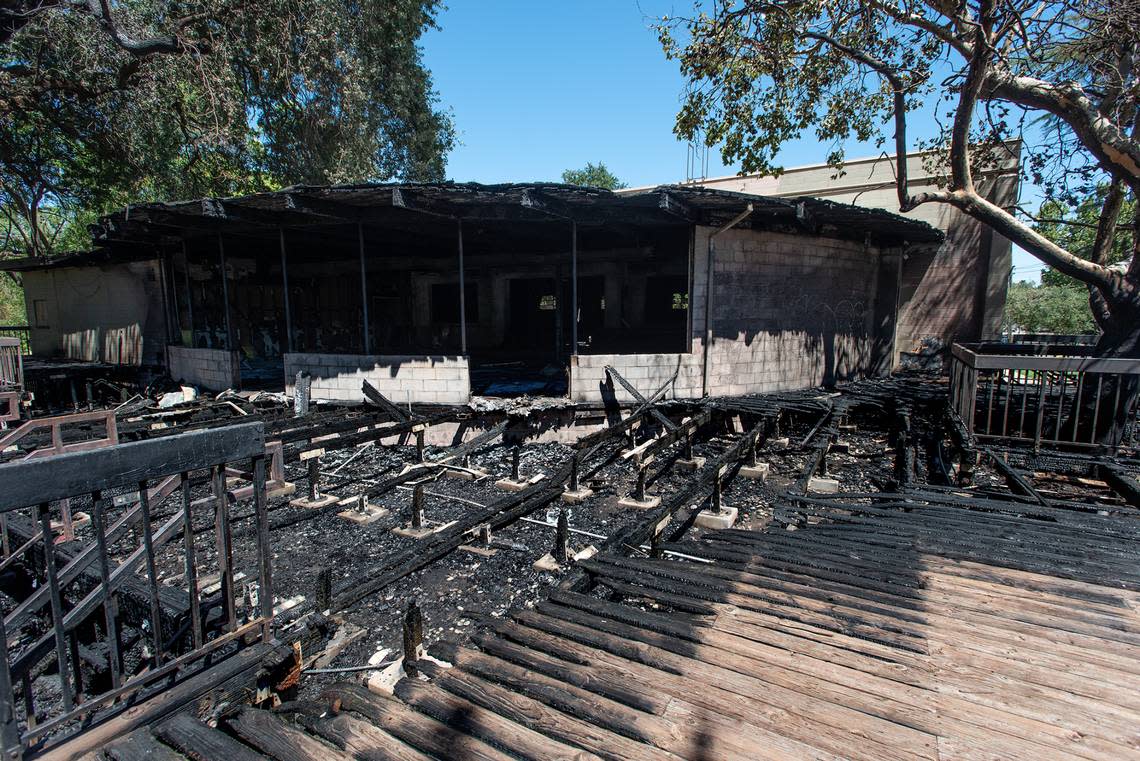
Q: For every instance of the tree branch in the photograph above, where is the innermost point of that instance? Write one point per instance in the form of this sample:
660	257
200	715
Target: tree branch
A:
100	10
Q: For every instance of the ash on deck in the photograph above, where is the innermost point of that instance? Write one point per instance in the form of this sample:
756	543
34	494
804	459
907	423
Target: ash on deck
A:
891	590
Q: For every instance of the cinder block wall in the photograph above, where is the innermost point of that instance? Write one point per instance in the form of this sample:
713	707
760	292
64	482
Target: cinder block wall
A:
788	311
210	369
646	372
422	379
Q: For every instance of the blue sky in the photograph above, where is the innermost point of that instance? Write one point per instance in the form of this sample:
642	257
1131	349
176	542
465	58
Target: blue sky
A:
539	86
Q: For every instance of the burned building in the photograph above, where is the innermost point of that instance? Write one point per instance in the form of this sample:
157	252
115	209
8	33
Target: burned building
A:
438	292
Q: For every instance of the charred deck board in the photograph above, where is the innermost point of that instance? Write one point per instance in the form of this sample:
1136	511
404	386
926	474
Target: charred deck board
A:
836	640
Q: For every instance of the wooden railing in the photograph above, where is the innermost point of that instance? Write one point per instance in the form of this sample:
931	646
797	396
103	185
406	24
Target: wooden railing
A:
148	631
1025	393
11	364
22	333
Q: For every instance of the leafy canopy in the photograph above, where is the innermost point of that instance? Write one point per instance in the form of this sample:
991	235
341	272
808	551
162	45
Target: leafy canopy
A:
594	176
108	102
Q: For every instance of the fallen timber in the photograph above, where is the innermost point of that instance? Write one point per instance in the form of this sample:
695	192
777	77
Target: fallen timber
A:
922	621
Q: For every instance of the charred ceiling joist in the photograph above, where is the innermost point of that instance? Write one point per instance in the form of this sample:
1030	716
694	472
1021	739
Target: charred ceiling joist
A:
417	208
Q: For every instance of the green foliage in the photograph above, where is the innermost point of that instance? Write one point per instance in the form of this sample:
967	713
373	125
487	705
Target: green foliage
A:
11	301
1036	308
594	176
206	98
1076	231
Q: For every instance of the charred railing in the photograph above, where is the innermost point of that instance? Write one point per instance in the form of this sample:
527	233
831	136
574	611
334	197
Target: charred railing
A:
1030	395
11	364
147	632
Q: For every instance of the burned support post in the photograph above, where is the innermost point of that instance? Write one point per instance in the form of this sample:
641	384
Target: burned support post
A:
302	393
561	551
189	292
285	292
314	479
364	288
573	288
515	465
225	292
413	631
324	589
574	474
420	445
462	297
418	507
639	491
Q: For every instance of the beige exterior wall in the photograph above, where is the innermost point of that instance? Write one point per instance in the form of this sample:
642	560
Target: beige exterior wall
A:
111	313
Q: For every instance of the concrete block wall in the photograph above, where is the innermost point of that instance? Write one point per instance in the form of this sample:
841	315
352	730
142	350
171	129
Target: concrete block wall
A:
646	372
422	379
210	369
788	311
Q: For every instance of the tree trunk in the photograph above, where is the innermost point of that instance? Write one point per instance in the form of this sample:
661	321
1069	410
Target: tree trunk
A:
1120	339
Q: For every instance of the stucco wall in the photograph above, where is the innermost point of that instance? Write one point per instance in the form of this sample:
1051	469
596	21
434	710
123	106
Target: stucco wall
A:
111	313
421	379
210	369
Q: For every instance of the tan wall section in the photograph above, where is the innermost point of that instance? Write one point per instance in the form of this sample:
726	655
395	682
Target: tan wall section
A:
111	313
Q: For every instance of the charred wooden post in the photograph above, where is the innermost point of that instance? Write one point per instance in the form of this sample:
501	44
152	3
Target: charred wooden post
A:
717	507
324	589
752	447
689	447
655	548
413	631
561	551
574	475
485	534
420	445
302	393
418	507
515	465
639	490
314	478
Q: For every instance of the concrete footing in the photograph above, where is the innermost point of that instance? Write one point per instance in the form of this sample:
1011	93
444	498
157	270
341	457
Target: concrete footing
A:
781	443
362	517
466	475
507	484
823	485
322	501
420	533
757	472
547	563
639	504
575	497
707	519
690	465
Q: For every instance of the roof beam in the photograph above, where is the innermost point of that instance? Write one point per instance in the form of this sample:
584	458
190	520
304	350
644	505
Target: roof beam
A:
671	204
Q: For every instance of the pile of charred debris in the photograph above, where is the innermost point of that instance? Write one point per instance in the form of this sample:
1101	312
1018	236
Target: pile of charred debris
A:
389	522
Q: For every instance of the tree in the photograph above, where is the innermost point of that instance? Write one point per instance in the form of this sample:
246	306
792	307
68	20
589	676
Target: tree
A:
1075	229
761	72
594	176
106	102
1043	308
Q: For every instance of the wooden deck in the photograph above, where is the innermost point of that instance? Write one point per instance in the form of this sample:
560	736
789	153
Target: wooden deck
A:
888	631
